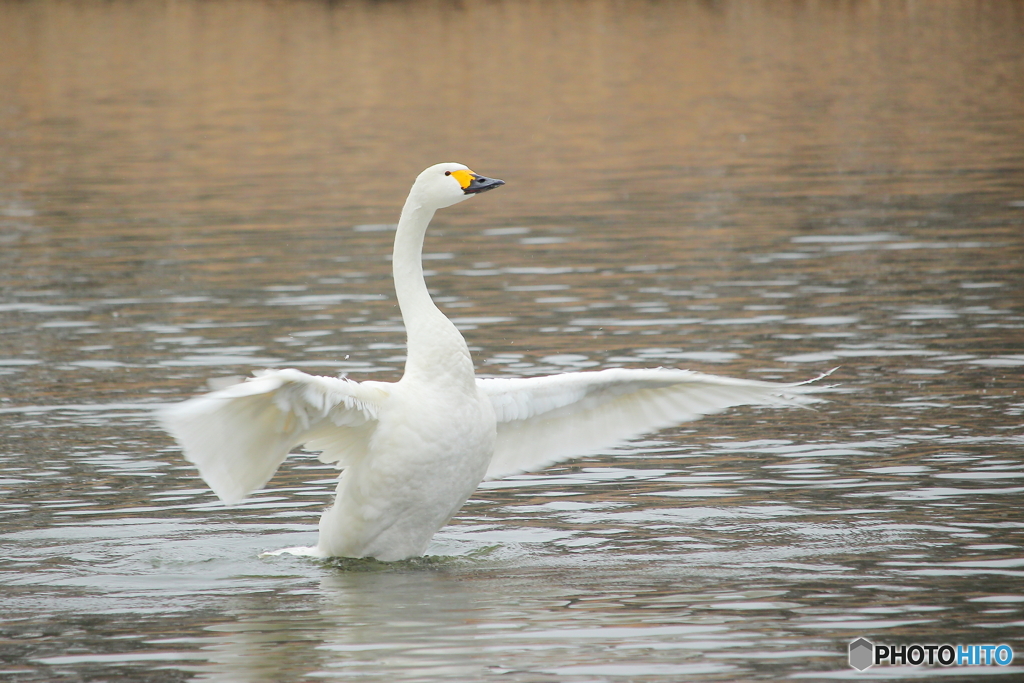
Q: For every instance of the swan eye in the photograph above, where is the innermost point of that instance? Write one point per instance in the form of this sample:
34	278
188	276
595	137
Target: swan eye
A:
447	172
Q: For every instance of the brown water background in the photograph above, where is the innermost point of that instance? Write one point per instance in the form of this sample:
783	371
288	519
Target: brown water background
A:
764	189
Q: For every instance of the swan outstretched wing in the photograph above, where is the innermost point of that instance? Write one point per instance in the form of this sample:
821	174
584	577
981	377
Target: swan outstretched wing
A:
239	436
544	420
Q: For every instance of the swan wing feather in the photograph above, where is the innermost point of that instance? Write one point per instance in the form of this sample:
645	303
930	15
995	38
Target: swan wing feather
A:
240	435
544	420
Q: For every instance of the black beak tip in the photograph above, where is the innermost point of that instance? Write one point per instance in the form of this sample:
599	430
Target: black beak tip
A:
482	184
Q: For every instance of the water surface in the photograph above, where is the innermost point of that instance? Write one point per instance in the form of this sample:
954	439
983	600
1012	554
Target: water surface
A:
196	190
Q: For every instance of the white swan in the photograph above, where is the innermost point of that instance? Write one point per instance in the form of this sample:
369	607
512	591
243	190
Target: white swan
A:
413	451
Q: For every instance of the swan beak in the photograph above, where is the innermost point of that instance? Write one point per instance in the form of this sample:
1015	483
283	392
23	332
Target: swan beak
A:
479	183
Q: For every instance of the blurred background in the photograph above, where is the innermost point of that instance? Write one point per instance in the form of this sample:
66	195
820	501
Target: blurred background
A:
194	189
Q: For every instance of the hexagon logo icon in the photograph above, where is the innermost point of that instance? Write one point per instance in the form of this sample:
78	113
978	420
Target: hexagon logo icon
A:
862	654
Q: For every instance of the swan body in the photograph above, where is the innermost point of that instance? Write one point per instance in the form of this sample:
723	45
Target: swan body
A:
413	451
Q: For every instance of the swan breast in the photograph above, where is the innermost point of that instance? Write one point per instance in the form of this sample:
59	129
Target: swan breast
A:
430	450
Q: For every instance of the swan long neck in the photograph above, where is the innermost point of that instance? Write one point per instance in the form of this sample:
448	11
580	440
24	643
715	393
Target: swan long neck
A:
436	348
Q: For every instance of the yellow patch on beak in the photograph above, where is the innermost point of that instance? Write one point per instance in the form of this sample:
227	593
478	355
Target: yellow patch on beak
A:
464	178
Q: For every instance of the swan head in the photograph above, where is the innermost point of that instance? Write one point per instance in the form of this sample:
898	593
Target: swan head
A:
443	185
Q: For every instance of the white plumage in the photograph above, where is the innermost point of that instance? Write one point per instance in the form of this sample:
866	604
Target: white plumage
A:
413	451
